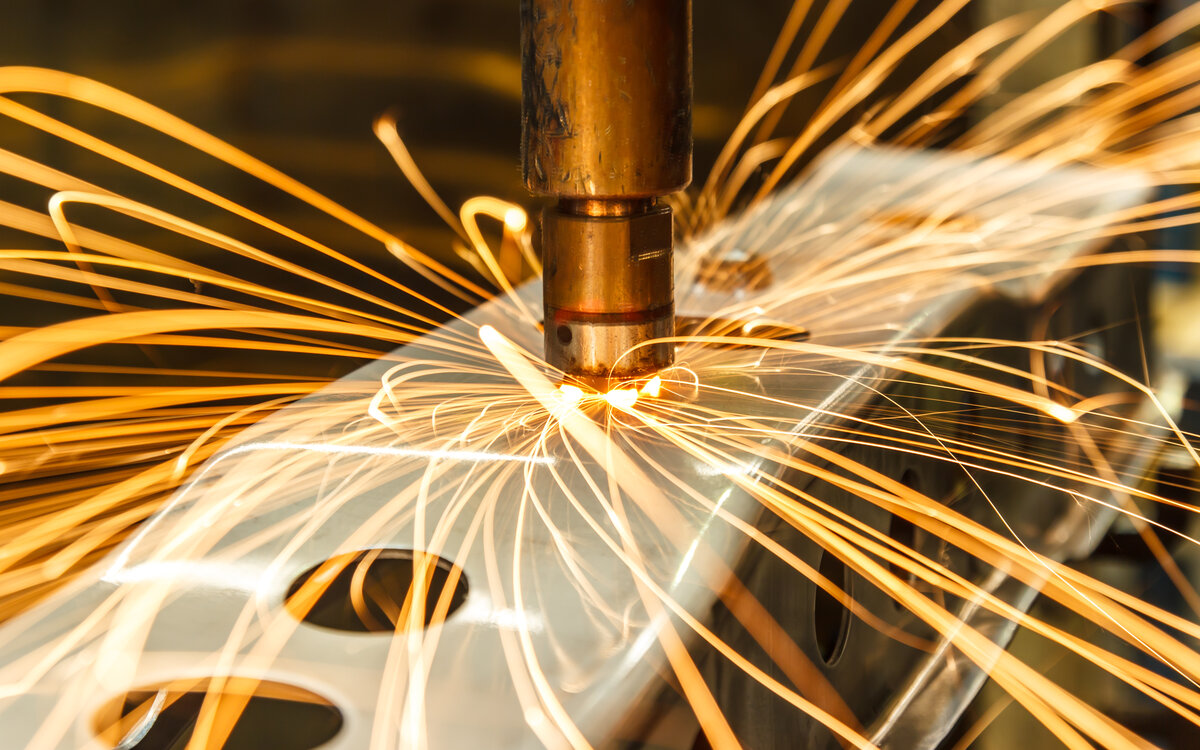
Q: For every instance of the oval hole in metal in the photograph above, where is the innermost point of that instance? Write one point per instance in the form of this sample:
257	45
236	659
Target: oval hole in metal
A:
264	714
372	591
831	620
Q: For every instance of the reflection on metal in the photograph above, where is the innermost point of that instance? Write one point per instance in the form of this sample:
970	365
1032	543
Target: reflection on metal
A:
607	130
546	564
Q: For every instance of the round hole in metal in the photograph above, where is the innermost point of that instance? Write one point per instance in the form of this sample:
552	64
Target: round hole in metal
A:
831	620
381	590
242	714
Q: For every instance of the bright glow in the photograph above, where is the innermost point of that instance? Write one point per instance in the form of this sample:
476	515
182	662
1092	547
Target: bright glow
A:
515	219
686	562
535	717
511	619
717	469
571	394
219	575
621	398
384	450
652	387
1064	414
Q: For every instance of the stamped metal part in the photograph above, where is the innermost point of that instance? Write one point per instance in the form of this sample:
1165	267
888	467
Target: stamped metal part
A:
554	627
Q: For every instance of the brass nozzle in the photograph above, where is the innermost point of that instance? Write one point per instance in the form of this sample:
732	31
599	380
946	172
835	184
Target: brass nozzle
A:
608	285
606	130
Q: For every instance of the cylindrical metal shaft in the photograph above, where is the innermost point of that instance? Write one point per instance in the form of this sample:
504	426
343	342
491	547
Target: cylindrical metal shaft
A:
608	286
606	129
607	97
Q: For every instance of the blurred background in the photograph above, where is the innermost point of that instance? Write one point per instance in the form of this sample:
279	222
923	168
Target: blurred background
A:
298	83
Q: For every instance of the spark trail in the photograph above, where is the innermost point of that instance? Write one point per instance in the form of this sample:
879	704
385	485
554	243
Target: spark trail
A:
604	537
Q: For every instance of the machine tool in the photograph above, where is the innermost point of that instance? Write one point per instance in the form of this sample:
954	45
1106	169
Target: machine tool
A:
533	625
607	132
548	639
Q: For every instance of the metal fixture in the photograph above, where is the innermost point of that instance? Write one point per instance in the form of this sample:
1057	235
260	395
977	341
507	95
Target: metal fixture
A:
220	568
607	131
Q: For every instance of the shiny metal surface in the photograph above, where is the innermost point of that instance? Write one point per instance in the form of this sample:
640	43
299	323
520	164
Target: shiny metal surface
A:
327	479
609	287
908	698
606	128
606	97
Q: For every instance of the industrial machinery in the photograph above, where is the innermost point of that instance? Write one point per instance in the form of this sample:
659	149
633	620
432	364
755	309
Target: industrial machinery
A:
607	131
568	587
320	482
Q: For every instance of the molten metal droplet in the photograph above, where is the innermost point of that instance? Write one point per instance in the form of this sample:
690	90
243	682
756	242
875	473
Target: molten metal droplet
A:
653	387
515	219
571	394
621	398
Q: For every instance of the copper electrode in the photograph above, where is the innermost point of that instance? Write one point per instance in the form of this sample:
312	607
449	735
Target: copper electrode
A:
607	131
